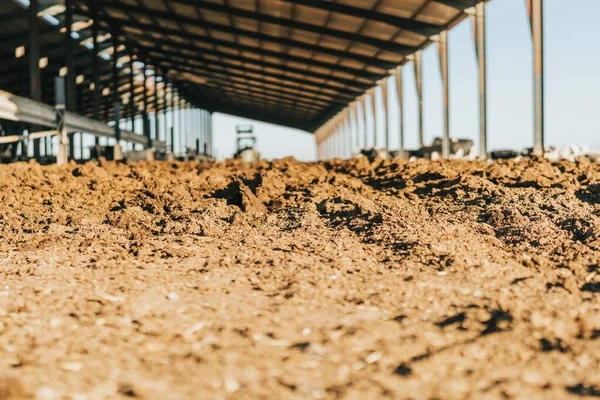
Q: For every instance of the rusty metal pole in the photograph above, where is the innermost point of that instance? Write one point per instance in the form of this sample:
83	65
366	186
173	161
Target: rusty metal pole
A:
400	88
34	65
418	65
443	55
537	26
480	47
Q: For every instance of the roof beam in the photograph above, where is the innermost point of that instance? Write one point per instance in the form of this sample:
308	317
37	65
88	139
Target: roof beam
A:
229	68
203	52
368	61
459	4
251	49
408	24
294	24
167	63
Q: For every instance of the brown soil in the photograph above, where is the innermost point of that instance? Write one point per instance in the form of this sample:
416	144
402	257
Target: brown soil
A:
351	280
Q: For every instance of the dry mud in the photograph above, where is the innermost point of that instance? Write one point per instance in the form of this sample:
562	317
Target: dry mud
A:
336	280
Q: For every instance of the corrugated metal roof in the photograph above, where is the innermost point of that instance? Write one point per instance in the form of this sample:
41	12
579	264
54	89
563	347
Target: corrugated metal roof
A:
295	63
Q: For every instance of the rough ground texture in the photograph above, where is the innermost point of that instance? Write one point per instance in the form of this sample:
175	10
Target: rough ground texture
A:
351	280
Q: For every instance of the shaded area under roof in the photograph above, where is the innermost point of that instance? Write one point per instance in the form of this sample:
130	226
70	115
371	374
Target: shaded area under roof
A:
293	63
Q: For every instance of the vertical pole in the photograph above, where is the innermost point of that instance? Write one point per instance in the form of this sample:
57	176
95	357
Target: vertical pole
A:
443	56
70	78
118	152
172	124
204	132
418	65
355	106
180	123
384	93
176	116
347	134
537	25
166	126
363	107
400	88
34	64
156	122
210	133
62	156
95	66
131	93
146	124
374	110
480	45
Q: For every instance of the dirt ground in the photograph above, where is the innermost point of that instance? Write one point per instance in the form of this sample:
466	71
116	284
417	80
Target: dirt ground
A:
336	280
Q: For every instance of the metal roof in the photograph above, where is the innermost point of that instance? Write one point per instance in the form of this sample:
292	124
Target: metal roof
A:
294	63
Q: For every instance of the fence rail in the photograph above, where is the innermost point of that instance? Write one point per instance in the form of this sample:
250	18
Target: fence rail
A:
21	109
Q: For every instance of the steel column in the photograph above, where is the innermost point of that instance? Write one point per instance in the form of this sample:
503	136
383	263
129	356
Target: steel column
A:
146	121
384	94
443	56
363	106
210	135
537	26
70	63
480	46
131	92
34	65
418	65
62	156
374	110
156	123
166	126
348	124
177	116
115	87
95	66
400	89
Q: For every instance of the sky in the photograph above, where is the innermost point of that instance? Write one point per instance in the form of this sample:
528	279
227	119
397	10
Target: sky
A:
572	86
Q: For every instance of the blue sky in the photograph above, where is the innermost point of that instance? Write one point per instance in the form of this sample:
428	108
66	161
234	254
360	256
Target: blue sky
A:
572	86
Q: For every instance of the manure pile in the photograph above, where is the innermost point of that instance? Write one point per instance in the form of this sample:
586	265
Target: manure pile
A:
343	279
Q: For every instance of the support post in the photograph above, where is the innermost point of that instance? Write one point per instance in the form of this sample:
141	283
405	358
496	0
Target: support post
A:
374	110
480	46
70	63
354	123
384	94
156	122
62	156
95	66
363	106
418	65
165	123
400	89
536	10
210	134
117	151
443	57
131	92
34	65
146	121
